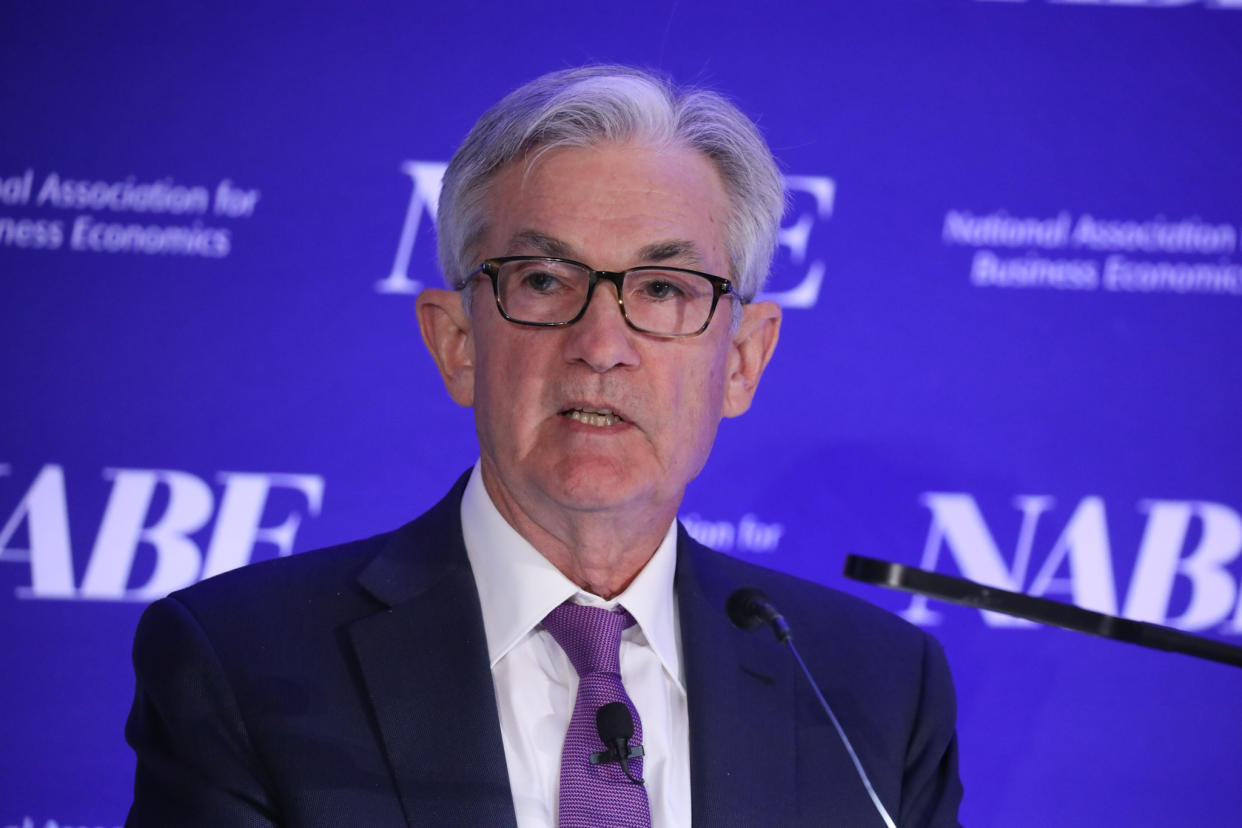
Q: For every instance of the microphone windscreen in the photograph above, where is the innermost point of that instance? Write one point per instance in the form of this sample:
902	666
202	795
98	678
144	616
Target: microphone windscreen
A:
745	608
613	721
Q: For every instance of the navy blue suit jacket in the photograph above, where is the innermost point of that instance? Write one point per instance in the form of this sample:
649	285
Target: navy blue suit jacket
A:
350	686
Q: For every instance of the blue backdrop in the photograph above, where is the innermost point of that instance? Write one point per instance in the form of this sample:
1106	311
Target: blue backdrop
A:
1011	349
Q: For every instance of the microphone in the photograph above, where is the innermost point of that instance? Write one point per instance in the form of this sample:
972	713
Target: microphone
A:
616	727
748	608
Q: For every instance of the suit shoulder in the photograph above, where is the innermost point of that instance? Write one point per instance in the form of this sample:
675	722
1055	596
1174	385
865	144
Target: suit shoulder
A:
299	575
334	568
266	610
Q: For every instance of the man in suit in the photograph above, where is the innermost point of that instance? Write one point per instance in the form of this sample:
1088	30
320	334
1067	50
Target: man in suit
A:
604	233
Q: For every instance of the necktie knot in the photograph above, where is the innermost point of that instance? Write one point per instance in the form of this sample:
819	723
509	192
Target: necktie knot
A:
590	636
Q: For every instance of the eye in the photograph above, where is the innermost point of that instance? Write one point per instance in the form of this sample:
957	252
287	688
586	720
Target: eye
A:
540	281
661	286
662	289
540	278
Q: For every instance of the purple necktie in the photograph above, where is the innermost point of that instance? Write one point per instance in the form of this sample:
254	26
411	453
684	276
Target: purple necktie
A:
596	795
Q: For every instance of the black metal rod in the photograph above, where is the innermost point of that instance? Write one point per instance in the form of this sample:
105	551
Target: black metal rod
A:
1042	610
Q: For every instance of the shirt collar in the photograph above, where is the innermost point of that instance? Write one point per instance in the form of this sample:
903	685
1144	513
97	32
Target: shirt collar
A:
518	586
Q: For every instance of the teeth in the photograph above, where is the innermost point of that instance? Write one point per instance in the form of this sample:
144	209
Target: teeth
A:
594	417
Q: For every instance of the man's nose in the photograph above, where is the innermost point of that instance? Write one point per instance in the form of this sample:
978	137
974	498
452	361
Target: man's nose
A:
601	338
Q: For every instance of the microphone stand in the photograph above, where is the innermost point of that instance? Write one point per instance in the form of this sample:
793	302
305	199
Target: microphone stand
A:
1042	610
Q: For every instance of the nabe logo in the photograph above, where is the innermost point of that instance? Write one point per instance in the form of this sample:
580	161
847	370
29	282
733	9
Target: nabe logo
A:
797	273
1080	562
190	504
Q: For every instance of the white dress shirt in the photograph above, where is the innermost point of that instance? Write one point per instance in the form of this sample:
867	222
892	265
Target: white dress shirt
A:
535	683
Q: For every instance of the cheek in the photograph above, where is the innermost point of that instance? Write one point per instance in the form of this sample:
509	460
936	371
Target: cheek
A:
710	381
696	406
508	389
489	387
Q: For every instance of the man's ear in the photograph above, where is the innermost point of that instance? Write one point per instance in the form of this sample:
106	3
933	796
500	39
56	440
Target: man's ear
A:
448	335
749	352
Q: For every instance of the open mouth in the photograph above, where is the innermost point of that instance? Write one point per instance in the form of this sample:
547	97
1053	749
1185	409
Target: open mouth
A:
599	417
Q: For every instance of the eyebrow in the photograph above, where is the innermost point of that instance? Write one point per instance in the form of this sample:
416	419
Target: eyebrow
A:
686	251
544	244
661	251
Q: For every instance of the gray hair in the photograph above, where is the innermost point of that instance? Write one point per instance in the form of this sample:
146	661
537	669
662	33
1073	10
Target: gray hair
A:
584	106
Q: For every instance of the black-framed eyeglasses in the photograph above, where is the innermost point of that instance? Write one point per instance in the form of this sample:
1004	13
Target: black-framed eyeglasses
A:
550	292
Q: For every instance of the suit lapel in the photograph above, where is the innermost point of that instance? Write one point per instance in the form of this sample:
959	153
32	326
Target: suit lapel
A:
740	691
424	662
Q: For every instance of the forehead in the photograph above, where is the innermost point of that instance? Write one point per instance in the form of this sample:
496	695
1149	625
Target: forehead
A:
612	205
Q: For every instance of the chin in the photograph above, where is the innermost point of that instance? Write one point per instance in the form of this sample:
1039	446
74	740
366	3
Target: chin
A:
599	483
